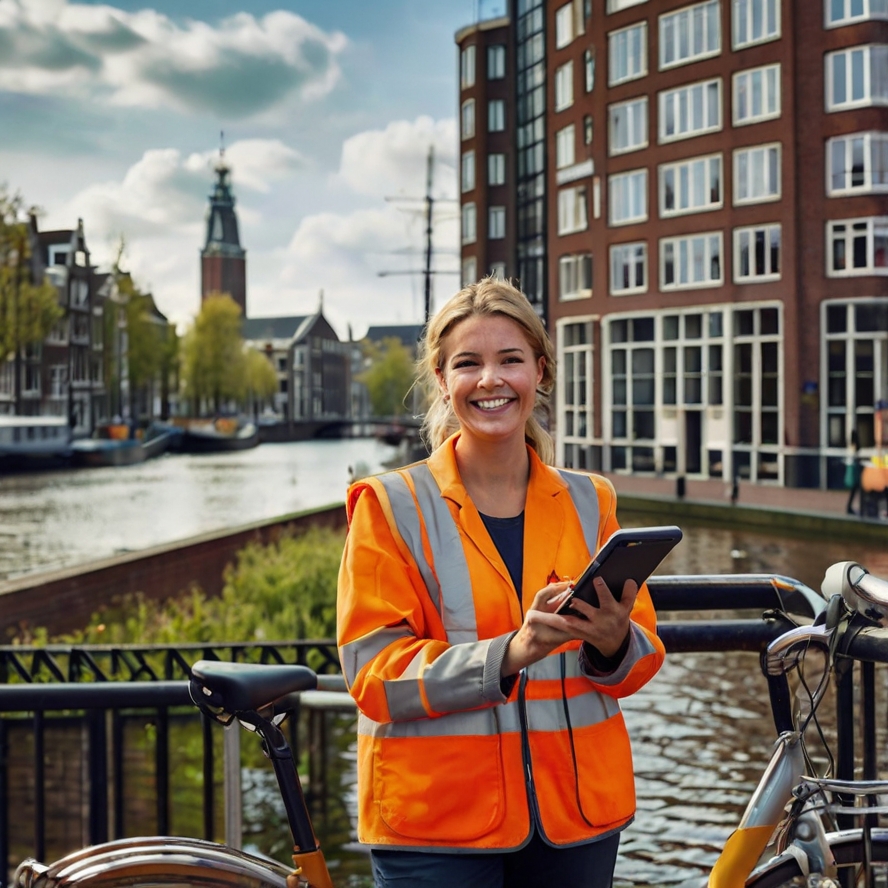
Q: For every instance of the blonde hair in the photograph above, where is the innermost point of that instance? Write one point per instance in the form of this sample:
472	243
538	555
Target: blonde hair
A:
488	297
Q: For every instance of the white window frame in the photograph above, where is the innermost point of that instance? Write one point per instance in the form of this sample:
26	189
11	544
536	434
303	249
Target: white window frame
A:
496	116
677	105
617	5
496	61
873	168
467	119
467	171
496	169
469	270
691	185
467	67
566	147
573	211
870	10
756	84
745	14
752	166
627	197
874	231
564	86
469	223
632	257
746	240
575	277
496	223
627	54
498	271
690	34
861	66
692	257
564	25
627	126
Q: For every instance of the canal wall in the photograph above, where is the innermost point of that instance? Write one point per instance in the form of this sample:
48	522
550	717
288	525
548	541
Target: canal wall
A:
64	600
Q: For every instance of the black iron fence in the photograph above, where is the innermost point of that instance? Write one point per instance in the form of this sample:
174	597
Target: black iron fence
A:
98	690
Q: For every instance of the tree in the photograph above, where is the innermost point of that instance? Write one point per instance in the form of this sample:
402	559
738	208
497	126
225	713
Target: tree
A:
389	376
260	379
28	309
213	354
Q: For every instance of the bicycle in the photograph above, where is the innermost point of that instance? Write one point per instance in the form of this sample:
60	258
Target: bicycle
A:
259	697
823	829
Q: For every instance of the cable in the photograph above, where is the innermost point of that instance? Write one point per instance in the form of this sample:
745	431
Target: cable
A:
573	751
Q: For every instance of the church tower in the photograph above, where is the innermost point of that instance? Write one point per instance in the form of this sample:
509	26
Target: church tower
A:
223	262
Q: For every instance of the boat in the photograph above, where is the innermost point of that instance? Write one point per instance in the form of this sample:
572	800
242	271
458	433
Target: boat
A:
114	446
34	442
219	437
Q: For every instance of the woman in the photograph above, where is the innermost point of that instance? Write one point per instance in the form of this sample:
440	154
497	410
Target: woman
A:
491	747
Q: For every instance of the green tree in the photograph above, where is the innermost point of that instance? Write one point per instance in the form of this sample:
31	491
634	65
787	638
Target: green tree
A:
143	338
389	376
213	354
260	379
28	308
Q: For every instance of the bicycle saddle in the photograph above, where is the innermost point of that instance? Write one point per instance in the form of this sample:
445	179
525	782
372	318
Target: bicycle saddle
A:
246	687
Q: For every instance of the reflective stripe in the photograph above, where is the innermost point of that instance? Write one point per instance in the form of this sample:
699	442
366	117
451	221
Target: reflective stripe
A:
453	680
474	722
448	556
404	698
586	709
357	654
587	506
407	519
549	668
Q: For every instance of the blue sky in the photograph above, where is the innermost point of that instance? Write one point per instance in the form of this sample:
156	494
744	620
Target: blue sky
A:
112	113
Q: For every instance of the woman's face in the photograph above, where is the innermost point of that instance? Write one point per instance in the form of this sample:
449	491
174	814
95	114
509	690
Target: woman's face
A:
491	374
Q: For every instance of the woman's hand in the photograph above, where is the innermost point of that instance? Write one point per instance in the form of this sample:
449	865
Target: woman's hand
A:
543	630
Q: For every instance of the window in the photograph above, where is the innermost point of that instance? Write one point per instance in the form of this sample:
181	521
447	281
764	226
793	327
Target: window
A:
467	117
575	375
756	95
498	271
587	129
469	271
565	147
757	174
496	62
857	77
755	21
575	277
496	223
857	163
466	67
572	213
564	88
617	5
690	110
627	125
496	116
628	263
589	69
691	186
564	25
756	254
627	54
468	171
844	12
691	261
857	247
628	197
689	34
496	169
469	223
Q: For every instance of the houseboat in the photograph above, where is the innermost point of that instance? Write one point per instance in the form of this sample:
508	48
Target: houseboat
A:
34	441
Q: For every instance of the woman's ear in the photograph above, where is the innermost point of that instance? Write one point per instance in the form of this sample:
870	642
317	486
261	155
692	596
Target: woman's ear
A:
442	382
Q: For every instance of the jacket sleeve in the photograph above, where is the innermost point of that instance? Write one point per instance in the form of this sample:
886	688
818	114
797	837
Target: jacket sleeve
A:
395	656
645	653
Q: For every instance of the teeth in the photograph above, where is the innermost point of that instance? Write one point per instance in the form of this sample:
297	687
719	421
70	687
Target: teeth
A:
493	404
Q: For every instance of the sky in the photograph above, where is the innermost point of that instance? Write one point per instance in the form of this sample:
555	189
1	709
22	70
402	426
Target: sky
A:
327	109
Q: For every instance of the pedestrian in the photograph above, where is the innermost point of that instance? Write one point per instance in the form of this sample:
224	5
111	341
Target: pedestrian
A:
492	752
853	470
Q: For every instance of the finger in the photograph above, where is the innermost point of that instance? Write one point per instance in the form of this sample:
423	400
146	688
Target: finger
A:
630	592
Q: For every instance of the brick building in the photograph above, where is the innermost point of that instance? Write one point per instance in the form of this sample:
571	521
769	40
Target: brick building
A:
695	198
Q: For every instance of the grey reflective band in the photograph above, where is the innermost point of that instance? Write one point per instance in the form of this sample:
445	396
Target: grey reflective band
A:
357	654
407	519
581	487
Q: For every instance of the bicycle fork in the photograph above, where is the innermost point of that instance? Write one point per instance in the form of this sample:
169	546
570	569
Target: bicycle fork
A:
764	813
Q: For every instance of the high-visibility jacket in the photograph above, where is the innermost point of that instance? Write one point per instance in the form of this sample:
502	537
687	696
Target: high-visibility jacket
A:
426	609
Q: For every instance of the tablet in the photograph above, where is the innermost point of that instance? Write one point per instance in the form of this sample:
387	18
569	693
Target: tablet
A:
633	553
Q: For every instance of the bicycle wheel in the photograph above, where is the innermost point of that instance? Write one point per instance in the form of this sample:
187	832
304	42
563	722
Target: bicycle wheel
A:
847	848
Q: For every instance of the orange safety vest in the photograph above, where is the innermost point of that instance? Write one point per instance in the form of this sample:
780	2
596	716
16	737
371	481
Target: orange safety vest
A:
425	611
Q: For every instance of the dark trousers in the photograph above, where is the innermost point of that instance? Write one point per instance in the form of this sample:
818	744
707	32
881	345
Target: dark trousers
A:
536	864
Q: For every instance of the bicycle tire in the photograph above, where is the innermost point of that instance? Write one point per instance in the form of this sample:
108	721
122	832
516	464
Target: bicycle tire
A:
846	846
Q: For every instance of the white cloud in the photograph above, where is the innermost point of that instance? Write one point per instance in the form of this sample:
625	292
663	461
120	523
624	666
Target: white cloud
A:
239	68
256	163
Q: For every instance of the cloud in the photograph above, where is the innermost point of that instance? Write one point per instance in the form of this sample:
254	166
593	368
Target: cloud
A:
236	69
393	161
255	163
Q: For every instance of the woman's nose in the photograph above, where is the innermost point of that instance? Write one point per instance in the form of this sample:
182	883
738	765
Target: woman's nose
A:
490	376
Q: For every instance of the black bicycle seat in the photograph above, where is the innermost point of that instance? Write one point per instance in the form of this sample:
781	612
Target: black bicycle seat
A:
246	687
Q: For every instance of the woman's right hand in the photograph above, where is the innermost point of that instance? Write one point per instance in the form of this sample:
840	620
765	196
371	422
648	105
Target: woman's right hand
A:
536	638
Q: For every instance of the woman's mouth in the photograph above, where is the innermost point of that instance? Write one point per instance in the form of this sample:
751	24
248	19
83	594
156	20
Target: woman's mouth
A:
492	403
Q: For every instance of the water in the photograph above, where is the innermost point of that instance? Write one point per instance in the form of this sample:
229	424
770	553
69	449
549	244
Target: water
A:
701	730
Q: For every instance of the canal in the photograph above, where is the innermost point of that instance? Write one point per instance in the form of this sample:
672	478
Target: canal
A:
701	730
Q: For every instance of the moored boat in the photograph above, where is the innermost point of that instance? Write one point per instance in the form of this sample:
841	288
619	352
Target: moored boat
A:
34	442
219	437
